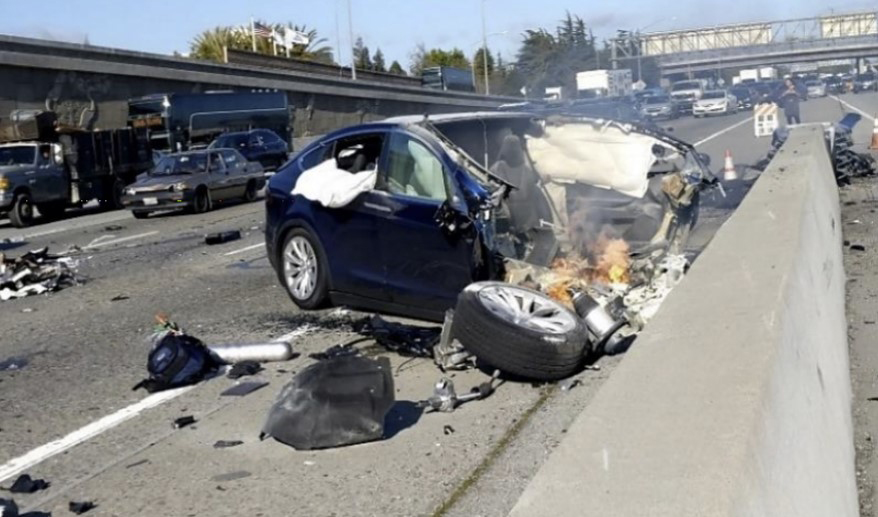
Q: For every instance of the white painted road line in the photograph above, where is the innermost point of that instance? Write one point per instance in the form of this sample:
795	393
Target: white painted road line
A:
44	452
101	244
242	250
722	131
852	107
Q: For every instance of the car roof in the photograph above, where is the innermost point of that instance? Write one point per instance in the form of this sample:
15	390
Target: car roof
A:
454	117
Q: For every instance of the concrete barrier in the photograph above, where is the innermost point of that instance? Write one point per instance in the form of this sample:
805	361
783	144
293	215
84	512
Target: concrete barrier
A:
735	401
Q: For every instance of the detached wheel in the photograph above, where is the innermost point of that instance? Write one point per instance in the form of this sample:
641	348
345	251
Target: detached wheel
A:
250	192
22	213
520	331
304	271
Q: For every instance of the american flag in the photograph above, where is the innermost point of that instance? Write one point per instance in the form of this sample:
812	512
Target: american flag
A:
262	30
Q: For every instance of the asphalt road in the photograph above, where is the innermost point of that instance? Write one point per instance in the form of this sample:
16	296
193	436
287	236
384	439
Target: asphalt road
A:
70	415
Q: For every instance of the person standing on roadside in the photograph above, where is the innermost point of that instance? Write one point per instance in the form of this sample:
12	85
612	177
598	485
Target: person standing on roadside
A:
789	101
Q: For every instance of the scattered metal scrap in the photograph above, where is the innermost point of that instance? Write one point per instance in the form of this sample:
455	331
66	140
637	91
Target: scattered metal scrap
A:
24	484
406	340
80	508
36	272
445	399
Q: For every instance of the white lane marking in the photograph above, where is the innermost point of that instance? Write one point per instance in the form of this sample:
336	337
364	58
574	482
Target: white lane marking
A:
44	452
36	456
858	110
98	240
723	131
242	250
121	239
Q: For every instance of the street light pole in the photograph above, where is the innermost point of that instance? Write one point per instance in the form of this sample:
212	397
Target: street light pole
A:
485	50
351	41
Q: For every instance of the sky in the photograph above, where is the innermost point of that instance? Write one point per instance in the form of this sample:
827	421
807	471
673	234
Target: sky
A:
396	26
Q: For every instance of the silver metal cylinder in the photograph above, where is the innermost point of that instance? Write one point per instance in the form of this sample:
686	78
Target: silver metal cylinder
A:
259	352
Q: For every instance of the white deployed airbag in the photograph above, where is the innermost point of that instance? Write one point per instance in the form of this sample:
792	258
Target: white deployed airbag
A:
333	187
602	156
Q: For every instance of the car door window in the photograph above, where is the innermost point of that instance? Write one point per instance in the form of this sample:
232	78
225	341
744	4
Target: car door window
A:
215	166
232	160
358	153
413	170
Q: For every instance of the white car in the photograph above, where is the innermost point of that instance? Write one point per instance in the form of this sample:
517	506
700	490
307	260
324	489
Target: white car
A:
816	89
715	102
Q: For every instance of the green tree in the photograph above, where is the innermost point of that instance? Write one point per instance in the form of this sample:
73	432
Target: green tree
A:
422	58
362	57
378	64
553	58
479	69
396	68
209	44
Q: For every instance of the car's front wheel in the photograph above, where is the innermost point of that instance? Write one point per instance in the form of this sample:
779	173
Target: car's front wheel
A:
520	331
304	270
22	213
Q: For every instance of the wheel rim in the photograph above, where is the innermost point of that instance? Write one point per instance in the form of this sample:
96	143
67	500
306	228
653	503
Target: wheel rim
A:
26	210
201	202
300	268
527	309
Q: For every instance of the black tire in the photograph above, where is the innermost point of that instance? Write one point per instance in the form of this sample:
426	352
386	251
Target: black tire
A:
140	214
201	202
250	192
52	211
516	349
319	297
114	191
22	213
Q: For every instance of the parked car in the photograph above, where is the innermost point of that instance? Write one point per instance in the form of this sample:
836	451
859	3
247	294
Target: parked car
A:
865	82
194	181
816	88
746	97
834	85
715	102
435	219
659	107
257	145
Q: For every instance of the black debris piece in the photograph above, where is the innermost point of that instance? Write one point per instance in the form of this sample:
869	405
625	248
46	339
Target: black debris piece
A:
231	476
225	444
80	508
332	403
243	369
858	247
13	364
137	464
222	237
336	351
113	228
184	421
8	508
447	429
569	384
26	485
119	298
846	242
407	340
176	359
36	272
243	388
36	514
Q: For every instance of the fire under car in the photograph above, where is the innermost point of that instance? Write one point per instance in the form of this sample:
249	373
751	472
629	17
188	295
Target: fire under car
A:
514	219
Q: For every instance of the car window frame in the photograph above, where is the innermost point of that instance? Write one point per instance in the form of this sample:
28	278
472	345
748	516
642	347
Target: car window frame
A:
383	169
210	160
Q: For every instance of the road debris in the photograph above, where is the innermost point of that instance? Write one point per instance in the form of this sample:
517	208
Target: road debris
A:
857	247
231	476
176	359
445	399
80	508
13	364
406	340
447	429
258	352
36	272
184	421
222	237
571	383
243	389
225	444
120	297
24	484
8	508
450	354
113	228
336	351
332	403
137	464
244	369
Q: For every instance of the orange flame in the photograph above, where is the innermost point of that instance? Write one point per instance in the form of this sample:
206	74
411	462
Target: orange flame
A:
610	264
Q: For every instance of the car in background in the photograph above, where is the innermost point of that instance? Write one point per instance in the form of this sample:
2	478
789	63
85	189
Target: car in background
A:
685	93
194	181
257	145
715	102
865	82
816	88
746	96
640	95
660	106
834	85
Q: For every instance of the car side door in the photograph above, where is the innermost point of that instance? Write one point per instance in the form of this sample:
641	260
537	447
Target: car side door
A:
275	148
426	267
219	179
236	166
47	181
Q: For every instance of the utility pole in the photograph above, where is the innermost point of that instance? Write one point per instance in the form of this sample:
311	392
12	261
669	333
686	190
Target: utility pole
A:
637	49
485	50
351	36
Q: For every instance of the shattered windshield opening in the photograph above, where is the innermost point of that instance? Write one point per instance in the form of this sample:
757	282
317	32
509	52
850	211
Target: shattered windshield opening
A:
18	155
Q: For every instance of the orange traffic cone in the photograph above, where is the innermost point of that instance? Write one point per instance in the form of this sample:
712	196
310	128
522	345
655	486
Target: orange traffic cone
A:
874	145
729	172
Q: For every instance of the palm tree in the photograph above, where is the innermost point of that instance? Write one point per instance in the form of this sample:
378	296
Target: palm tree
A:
210	43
